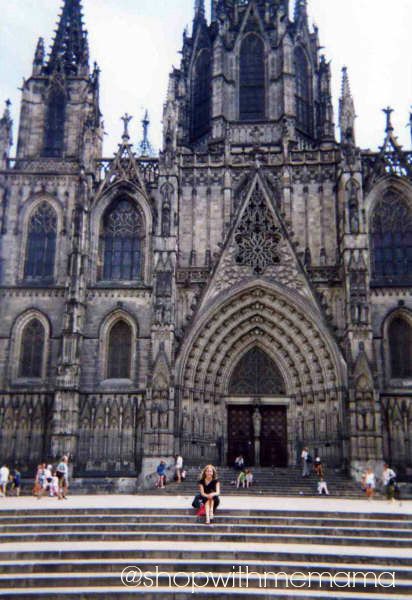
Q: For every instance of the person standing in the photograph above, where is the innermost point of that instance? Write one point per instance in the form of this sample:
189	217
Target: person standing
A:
389	482
178	468
209	488
306	462
62	472
4	479
369	483
161	475
16	485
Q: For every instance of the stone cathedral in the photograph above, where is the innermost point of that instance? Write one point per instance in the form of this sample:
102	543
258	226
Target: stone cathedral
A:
248	290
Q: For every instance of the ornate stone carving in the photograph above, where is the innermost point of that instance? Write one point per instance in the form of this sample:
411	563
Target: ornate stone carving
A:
257	237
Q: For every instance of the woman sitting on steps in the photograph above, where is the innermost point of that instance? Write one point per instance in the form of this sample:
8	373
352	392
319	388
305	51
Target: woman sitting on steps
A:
209	487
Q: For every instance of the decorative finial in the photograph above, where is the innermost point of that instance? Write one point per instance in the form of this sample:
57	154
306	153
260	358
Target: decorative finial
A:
145	145
388	112
126	120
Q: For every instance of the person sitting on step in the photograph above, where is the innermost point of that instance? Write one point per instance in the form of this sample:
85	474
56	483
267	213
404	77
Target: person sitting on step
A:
209	488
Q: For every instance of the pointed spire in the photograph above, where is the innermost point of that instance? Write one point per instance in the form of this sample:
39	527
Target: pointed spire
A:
145	145
126	120
347	113
6	135
70	51
39	55
301	11
200	9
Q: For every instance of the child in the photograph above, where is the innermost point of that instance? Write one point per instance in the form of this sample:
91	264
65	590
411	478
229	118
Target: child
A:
54	486
249	478
323	487
241	480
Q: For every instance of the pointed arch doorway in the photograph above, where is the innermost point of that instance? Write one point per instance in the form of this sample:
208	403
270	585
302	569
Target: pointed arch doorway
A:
257	411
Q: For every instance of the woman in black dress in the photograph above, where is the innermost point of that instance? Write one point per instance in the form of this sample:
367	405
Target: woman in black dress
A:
209	487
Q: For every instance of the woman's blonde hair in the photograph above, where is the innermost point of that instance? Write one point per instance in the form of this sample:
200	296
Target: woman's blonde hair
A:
203	475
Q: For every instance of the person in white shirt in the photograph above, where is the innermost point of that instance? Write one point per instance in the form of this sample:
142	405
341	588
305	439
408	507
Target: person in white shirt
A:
305	456
62	472
4	479
369	483
389	481
322	487
178	468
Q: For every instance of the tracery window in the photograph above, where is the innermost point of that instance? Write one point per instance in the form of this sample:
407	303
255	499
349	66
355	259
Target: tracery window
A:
201	95
32	350
252	79
123	235
55	120
256	375
391	241
400	347
304	120
120	351
41	244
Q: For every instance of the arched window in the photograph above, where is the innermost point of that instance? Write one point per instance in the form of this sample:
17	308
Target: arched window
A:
391	241
252	79
256	375
201	95
41	244
123	234
304	120
55	120
32	350
400	346
120	351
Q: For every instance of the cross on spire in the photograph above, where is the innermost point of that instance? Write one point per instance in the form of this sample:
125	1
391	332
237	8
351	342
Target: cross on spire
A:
388	112
126	120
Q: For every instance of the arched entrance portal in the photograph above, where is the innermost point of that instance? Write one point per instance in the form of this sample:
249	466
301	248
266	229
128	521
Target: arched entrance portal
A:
257	418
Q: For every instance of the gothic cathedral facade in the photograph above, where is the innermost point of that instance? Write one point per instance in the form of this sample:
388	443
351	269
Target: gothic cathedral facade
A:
246	291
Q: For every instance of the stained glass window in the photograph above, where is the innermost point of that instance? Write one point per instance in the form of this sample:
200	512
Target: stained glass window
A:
32	349
252	79
256	375
391	241
120	349
400	343
55	120
122	242
304	120
201	104
41	244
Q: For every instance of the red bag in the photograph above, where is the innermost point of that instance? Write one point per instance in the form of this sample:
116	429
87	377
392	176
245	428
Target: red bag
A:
201	511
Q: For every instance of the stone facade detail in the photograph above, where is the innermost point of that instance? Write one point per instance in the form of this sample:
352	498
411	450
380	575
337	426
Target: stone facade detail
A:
145	281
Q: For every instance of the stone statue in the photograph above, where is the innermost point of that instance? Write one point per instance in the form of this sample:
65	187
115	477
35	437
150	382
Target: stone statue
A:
257	423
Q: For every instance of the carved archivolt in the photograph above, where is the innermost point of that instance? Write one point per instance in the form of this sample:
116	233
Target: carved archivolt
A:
291	335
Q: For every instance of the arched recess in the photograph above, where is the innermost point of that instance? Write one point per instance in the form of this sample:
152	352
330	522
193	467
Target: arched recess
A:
291	333
42	238
252	78
390	233
256	374
201	94
304	111
121	193
55	119
31	327
115	326
398	345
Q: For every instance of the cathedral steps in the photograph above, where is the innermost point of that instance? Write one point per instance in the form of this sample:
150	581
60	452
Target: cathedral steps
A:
81	553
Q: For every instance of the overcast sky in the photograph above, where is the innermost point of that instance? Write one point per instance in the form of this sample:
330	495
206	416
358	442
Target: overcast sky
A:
136	42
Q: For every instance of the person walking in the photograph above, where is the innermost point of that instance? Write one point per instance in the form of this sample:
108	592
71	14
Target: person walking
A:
209	488
16	483
178	468
306	462
4	479
62	472
161	475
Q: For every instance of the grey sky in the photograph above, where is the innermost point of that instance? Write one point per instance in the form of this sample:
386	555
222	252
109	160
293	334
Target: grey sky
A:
136	42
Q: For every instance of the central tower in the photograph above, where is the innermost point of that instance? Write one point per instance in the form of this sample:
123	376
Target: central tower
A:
253	76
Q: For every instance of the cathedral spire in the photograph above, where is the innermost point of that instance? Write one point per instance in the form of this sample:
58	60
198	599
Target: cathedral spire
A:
347	113
301	11
70	50
6	137
200	9
39	55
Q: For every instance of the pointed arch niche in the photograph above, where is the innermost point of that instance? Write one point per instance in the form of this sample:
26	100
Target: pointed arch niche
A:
54	123
256	374
252	79
118	348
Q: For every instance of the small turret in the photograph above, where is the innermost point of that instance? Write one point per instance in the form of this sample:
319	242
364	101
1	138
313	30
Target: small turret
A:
347	113
301	12
6	136
39	55
145	146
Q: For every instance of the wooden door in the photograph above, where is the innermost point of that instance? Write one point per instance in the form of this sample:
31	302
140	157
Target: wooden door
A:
240	434
273	439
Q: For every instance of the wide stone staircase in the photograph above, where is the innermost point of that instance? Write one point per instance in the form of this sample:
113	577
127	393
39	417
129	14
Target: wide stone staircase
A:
87	553
272	482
